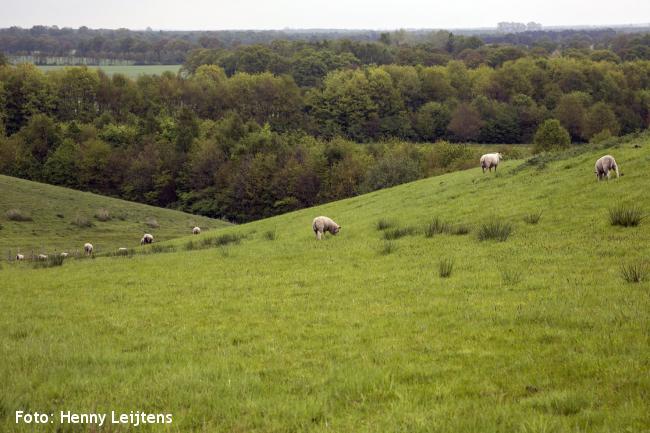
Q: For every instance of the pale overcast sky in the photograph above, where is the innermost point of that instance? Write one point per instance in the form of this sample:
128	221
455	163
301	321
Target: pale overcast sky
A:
354	14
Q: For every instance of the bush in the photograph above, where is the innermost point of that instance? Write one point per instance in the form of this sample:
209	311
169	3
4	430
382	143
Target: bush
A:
533	217
445	267
551	135
270	235
384	223
17	215
388	248
103	215
397	233
435	227
634	273
82	222
625	216
494	230
152	222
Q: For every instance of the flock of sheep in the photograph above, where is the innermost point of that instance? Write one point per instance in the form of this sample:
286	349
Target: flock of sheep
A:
603	167
323	224
147	239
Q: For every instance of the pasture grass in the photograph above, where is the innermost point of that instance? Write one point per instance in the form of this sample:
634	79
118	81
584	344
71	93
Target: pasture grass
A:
298	335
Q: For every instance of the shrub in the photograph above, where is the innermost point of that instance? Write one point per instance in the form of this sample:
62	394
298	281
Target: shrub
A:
384	223
270	235
435	227
152	222
388	248
626	216
103	214
82	222
533	217
399	232
445	267
634	273
510	276
551	135
17	215
494	230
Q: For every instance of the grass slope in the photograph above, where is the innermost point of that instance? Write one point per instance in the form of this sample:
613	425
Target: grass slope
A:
54	209
280	333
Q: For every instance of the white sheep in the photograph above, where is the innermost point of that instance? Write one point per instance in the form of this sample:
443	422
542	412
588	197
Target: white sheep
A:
88	248
42	257
196	231
146	239
490	160
20	256
64	254
122	250
604	165
323	224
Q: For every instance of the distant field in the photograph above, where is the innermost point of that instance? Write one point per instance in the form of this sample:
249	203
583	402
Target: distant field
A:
129	71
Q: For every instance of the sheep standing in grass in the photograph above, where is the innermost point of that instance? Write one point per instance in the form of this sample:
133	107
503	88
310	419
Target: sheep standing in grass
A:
324	224
64	254
490	160
146	239
20	257
122	250
42	257
88	248
196	231
604	165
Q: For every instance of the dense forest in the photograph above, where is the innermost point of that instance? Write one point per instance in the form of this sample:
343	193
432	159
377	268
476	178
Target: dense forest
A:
256	130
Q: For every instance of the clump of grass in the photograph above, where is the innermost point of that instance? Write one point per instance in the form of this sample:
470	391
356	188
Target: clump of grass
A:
625	216
510	276
399	232
103	214
460	229
82	222
445	267
60	215
389	247
270	235
17	215
227	238
533	217
190	245
51	261
152	222
494	230
384	223
435	227
157	248
634	273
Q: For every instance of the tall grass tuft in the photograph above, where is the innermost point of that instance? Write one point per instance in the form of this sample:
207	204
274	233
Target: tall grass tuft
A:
388	247
82	222
270	235
533	217
510	276
445	267
625	216
51	261
17	215
157	248
435	227
103	215
399	232
460	229
384	223
494	230
634	273
152	222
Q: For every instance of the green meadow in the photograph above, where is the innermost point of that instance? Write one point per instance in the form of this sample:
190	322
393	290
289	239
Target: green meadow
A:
56	219
131	71
260	328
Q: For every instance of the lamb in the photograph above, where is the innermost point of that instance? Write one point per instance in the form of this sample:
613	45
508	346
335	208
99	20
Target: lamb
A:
323	224
490	160
146	239
196	231
604	165
20	257
88	248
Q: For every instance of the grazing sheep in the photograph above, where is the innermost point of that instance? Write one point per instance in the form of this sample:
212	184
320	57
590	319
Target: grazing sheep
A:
122	250
88	248
42	257
20	257
146	239
323	224
490	160
604	165
64	254
196	231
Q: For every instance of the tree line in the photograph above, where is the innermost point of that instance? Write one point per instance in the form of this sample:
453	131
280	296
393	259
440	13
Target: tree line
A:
247	145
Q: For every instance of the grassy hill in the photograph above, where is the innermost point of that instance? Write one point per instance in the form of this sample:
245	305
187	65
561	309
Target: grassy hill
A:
261	328
60	219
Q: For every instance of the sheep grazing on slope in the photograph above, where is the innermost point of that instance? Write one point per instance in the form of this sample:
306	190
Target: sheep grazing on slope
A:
490	160
324	224
604	165
146	239
88	248
20	257
196	231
